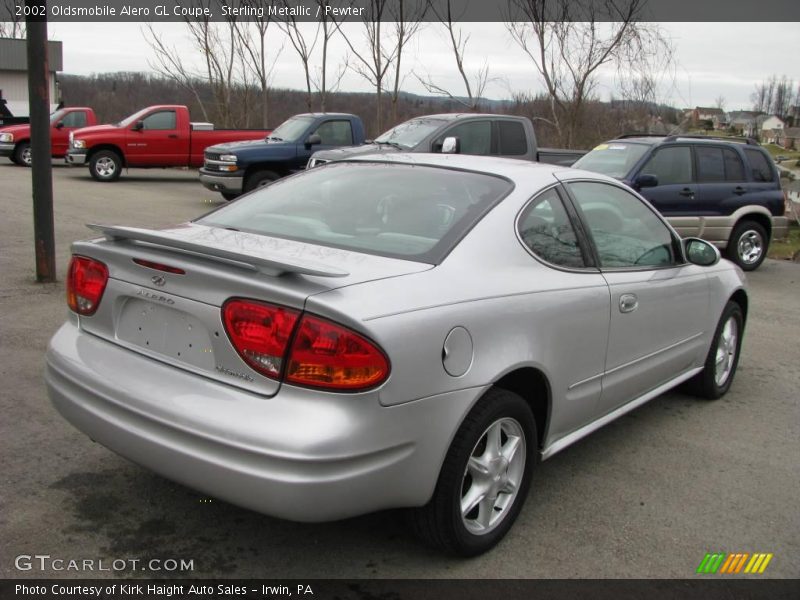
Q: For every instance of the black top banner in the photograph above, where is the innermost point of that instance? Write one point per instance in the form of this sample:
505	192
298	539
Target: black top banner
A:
402	10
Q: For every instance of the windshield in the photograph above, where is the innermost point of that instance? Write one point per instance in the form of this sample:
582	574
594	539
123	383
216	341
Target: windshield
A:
137	116
56	116
615	159
290	129
410	133
394	210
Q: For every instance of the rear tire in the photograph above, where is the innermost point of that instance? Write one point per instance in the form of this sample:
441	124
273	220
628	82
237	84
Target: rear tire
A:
748	245
484	479
723	357
260	179
22	154
105	166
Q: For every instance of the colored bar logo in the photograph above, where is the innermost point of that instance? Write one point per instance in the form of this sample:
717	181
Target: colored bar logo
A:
734	563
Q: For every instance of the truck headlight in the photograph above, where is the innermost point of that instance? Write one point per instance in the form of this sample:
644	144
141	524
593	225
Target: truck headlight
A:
6	137
77	144
228	157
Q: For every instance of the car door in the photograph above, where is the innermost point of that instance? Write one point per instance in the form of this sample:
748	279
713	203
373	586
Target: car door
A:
475	137
659	303
60	134
570	308
159	141
675	196
334	133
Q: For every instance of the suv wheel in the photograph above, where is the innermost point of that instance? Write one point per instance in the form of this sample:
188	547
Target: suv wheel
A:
748	245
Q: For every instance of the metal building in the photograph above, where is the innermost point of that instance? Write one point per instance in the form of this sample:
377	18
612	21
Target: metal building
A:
14	75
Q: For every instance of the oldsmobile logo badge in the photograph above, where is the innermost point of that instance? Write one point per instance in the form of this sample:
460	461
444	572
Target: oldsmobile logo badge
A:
159	280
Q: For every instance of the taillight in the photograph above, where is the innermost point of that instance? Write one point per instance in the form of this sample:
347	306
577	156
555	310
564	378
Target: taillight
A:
260	333
322	354
86	282
330	356
158	266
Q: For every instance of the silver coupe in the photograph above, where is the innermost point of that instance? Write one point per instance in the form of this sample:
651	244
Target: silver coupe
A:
399	331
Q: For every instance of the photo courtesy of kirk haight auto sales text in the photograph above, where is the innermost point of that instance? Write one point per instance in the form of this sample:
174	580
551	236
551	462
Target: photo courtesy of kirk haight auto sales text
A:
159	590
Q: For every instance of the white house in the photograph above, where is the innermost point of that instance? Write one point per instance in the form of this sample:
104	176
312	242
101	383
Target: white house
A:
770	128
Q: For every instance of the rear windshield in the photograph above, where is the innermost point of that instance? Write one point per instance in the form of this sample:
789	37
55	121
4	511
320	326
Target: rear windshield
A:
615	159
396	210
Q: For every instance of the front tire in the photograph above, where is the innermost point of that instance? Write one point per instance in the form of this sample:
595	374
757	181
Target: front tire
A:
748	245
723	357
484	479
22	154
105	165
260	179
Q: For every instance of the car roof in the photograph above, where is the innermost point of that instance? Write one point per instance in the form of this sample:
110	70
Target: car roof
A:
454	116
511	168
652	140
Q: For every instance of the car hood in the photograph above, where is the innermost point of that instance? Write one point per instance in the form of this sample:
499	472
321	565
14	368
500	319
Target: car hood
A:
16	130
84	131
247	145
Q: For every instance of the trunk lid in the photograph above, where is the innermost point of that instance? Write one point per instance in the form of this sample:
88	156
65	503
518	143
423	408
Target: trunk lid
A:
176	317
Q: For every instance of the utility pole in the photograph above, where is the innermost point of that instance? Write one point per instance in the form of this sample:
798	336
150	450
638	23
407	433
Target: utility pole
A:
41	168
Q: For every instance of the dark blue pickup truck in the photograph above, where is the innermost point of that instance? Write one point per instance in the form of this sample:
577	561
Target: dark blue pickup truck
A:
239	167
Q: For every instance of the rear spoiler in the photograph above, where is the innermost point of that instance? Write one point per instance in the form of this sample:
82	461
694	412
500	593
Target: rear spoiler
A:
269	266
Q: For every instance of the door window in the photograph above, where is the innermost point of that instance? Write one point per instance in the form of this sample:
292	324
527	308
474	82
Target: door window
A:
546	230
671	165
718	164
759	164
476	137
626	233
74	119
335	133
159	121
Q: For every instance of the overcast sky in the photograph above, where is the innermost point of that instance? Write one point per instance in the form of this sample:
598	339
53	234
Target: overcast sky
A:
713	59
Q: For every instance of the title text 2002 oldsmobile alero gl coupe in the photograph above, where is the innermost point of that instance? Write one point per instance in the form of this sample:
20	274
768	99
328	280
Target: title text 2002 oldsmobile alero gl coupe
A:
403	331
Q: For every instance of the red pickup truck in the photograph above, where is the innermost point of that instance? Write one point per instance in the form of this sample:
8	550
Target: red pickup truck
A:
156	136
15	140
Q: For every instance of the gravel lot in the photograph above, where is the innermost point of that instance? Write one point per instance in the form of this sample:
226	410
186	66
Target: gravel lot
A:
647	496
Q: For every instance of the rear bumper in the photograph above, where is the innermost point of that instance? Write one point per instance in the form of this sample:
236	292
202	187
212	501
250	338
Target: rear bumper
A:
231	184
6	149
75	158
300	455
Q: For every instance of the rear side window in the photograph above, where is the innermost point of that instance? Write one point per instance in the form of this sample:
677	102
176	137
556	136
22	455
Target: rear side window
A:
718	164
546	230
671	165
759	165
402	211
512	138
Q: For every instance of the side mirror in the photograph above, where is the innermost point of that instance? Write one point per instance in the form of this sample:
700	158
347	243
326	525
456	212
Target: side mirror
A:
313	140
700	252
59	125
138	126
451	145
645	181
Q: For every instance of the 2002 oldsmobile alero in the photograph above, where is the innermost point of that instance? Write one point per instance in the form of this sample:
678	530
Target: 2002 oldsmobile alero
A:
398	331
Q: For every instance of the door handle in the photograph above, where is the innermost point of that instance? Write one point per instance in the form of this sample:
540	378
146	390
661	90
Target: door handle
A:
688	192
739	190
628	303
173	136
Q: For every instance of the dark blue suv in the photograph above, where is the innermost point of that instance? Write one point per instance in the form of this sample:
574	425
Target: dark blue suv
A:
726	192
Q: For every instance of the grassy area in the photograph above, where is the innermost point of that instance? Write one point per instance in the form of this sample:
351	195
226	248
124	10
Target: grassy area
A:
786	249
778	151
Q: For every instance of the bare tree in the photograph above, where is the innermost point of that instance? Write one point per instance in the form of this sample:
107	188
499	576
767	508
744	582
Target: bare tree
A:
719	102
407	22
381	52
474	86
303	43
568	42
783	97
11	25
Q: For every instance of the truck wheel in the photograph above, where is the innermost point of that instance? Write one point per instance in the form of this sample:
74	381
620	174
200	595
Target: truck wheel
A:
105	165
260	179
484	479
748	245
22	154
